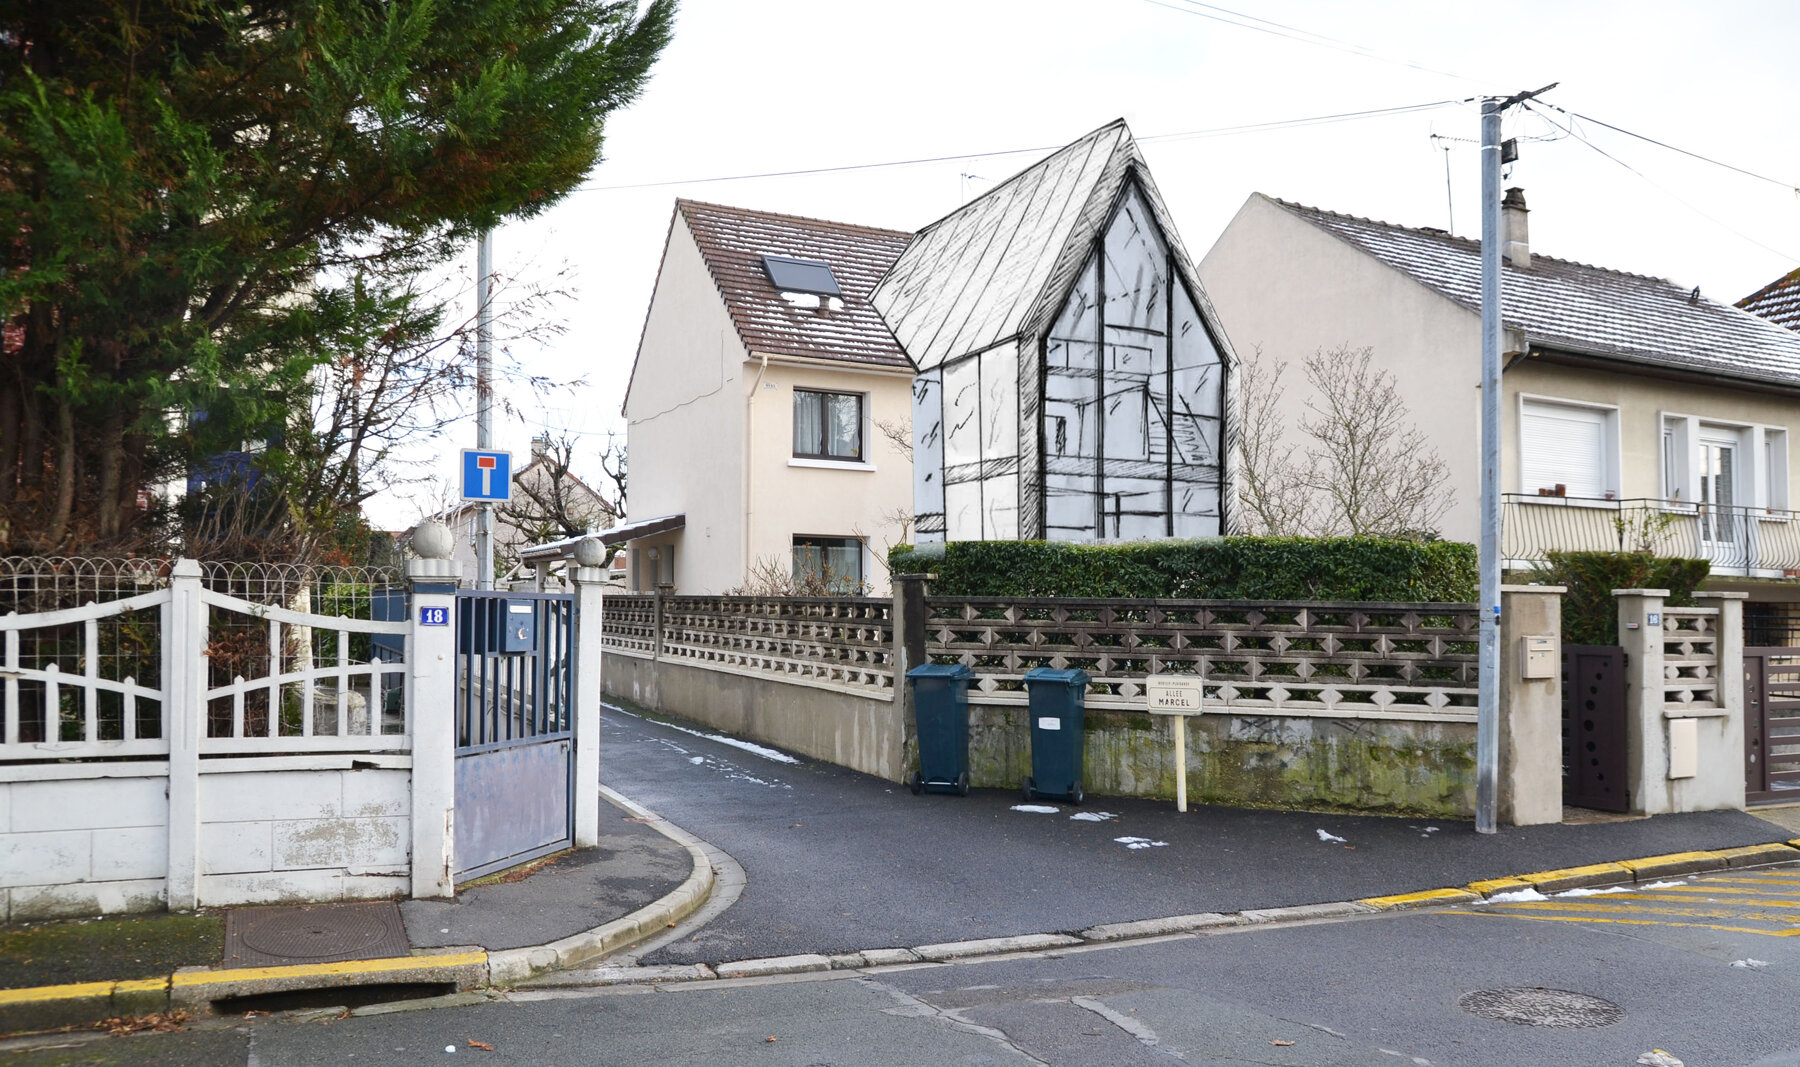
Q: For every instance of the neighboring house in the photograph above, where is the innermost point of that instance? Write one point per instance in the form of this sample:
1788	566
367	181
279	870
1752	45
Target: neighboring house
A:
517	524
1778	301
1073	380
1636	412
757	406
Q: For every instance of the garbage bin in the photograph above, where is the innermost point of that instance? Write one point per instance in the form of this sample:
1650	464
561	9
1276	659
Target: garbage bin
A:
941	706
1058	714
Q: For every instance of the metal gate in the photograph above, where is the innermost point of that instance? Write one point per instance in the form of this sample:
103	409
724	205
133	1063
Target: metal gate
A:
1771	725
1593	727
515	690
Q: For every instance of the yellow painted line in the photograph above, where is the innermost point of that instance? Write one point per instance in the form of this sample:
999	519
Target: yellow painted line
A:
1625	922
1536	906
1429	896
1774	853
56	992
1497	885
322	970
1596	871
1670	859
142	985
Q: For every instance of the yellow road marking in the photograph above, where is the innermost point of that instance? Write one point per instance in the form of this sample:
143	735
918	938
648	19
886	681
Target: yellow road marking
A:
315	970
1628	922
57	992
1402	900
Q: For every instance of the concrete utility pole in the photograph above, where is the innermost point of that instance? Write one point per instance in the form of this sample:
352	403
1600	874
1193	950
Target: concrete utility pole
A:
484	401
1487	721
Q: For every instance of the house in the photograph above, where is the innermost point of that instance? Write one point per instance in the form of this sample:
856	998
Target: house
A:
1778	301
1073	381
546	497
1637	413
762	408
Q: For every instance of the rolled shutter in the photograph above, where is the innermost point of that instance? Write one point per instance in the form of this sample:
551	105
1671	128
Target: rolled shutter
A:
1565	446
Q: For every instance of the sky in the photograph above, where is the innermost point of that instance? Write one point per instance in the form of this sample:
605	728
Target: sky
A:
760	87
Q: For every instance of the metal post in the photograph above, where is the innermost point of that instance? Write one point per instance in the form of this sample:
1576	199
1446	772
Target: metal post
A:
1487	723
484	400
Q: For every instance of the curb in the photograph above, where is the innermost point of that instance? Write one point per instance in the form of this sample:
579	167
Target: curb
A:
194	989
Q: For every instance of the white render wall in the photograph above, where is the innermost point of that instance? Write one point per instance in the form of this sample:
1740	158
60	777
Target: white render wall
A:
83	846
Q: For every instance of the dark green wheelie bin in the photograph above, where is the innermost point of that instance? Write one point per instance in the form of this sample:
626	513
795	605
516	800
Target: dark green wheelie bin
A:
941	705
1058	718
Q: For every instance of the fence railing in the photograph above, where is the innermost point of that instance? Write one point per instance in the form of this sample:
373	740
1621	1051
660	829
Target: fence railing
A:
837	640
1691	657
1762	542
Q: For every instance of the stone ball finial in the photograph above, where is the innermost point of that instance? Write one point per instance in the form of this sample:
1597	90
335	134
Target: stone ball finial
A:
433	540
590	552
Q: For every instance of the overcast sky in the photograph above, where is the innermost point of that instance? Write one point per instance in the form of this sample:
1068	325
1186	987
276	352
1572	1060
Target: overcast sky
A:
752	87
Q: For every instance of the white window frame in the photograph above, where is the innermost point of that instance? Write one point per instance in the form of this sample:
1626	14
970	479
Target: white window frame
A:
1609	443
1762	452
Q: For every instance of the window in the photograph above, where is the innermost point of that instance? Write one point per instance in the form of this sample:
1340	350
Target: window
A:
828	425
828	564
801	275
1565	450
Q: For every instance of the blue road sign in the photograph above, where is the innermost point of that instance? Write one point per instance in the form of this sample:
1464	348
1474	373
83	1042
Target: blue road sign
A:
434	616
486	475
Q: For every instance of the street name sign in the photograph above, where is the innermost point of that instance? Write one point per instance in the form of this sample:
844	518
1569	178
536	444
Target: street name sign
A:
1173	693
486	475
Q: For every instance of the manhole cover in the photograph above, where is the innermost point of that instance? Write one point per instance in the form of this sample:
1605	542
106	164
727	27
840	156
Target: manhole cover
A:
329	933
1556	1008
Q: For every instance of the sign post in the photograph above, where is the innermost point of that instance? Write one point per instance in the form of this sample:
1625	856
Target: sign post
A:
1178	696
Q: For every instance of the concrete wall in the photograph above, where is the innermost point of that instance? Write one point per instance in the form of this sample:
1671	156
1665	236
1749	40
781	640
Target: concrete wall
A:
83	847
863	733
280	836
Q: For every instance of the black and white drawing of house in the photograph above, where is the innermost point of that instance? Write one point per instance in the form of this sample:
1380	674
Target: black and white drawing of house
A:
1073	382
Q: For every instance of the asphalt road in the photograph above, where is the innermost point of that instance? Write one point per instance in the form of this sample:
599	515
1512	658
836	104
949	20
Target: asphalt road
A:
1387	990
838	861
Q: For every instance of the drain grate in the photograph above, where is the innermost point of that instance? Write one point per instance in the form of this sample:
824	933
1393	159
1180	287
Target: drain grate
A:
1557	1008
324	933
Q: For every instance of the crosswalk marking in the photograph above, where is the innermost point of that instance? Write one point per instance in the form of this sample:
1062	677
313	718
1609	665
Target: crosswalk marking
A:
1765	903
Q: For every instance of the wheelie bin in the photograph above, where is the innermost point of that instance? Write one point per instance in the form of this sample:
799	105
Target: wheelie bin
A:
1058	717
941	706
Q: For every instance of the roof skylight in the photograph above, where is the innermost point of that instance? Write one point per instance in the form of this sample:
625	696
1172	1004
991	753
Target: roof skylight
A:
792	275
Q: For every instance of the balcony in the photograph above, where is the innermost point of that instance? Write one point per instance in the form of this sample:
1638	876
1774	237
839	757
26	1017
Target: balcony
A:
1740	541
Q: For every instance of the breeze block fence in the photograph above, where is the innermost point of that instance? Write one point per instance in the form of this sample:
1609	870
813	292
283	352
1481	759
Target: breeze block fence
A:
1313	705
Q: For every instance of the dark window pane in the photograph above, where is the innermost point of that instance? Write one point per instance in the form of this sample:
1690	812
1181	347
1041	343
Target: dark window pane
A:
809	423
828	564
801	275
844	426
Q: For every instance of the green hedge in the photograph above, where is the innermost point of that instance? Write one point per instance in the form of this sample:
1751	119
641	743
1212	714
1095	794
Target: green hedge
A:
1233	568
1590	613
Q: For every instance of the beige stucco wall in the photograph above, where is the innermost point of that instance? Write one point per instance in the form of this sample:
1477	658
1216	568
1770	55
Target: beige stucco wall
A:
1286	289
700	402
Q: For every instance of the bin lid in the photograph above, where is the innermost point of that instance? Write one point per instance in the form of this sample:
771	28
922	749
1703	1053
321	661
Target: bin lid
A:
1070	676
953	671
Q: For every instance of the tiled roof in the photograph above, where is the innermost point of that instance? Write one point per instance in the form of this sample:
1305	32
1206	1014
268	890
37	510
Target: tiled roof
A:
733	241
1778	301
1578	308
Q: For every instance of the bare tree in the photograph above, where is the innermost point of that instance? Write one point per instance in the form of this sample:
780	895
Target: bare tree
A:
550	503
898	431
1367	470
612	464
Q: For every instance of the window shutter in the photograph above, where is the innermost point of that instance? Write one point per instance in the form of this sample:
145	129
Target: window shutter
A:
1563	446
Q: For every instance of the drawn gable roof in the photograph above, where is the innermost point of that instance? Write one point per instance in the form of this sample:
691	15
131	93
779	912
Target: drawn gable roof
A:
733	242
1578	308
1778	301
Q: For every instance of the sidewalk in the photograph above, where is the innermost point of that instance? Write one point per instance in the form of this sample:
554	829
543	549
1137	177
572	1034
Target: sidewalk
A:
567	908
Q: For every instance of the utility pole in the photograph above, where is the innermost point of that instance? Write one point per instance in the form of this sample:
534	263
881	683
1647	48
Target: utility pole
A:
1487	721
484	400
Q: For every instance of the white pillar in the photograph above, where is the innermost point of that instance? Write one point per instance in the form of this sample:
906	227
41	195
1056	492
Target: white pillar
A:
431	701
184	675
588	652
1646	739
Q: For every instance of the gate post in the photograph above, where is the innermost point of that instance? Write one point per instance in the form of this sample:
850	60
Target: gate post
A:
184	668
431	703
1646	740
1531	772
908	652
588	573
1726	784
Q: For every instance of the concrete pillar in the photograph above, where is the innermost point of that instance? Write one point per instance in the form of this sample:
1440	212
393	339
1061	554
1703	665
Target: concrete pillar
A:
588	573
1531	786
1720	783
431	698
909	651
184	671
1646	740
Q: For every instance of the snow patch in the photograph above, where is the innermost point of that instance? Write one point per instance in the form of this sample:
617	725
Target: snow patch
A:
1750	963
748	746
1664	885
696	760
1093	816
1586	891
1323	836
1036	809
1516	895
1140	842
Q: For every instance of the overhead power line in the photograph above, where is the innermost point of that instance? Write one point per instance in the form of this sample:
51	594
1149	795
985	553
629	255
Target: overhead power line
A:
1245	21
1793	187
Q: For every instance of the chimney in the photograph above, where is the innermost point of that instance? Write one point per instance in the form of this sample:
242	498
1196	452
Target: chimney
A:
1515	231
539	445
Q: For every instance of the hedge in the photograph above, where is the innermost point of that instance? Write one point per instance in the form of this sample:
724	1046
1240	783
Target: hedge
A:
1233	568
1590	612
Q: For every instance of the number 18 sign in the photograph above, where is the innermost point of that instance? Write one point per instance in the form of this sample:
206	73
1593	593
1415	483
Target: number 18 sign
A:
438	616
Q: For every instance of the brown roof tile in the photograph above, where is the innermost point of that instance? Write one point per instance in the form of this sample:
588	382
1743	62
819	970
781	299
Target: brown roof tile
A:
733	241
1778	301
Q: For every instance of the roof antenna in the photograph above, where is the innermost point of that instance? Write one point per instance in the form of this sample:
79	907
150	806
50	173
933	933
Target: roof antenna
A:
966	177
1449	198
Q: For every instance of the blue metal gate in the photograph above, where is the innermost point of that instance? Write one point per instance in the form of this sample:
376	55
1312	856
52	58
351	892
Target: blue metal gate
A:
515	693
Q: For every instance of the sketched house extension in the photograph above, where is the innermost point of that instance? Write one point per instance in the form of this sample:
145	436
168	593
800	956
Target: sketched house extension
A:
1073	381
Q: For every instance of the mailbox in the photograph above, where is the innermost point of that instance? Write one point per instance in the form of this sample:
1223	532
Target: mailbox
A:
518	627
1537	657
495	625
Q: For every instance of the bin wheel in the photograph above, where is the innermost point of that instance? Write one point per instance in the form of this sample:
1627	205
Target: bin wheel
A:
962	784
1029	788
916	783
1076	796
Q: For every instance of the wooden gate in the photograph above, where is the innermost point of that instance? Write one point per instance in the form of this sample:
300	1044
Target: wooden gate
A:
1593	727
1771	725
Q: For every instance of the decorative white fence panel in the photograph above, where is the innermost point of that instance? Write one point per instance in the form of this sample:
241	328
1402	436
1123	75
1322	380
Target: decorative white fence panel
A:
69	694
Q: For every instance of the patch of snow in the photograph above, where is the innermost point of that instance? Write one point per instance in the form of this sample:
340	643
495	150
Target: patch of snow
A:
1140	842
1516	895
1664	885
1036	809
1590	892
748	746
1750	963
1323	836
1093	816
696	760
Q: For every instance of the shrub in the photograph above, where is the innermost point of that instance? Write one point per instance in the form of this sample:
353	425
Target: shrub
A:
1590	612
1233	568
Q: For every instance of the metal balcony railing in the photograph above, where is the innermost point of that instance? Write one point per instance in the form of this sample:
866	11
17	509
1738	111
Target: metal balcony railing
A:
1739	540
